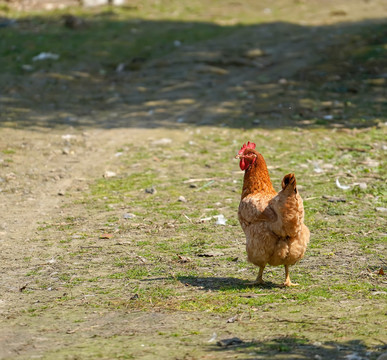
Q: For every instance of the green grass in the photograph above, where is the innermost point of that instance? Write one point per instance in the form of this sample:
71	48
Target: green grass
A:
122	37
153	262
344	231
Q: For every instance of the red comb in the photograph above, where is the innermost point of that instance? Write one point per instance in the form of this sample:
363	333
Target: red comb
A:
248	146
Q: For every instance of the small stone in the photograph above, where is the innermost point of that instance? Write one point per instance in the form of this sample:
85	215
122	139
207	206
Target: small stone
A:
10	176
109	174
362	185
254	53
232	319
61	193
182	199
27	67
120	67
381	209
230	342
163	141
69	137
128	216
151	190
193	186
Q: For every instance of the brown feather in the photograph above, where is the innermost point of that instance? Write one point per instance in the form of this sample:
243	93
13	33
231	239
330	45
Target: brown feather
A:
272	222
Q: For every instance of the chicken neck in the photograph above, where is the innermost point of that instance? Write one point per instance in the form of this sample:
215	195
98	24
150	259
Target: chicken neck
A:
257	178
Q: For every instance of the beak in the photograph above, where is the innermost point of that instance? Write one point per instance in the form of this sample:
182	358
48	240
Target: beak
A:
237	156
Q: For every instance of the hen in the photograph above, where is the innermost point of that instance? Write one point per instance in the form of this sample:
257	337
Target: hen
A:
272	222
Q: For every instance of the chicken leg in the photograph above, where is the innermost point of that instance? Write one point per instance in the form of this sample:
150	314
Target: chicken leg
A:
287	278
258	280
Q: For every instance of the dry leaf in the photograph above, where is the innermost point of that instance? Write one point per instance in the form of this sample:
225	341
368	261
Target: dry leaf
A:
183	259
106	236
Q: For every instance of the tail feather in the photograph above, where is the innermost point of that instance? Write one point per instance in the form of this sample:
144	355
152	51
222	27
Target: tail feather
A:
289	180
288	206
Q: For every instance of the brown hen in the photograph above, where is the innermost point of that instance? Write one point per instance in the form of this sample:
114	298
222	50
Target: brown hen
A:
272	222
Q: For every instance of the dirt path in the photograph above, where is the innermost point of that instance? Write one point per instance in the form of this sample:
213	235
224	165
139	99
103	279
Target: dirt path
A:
47	170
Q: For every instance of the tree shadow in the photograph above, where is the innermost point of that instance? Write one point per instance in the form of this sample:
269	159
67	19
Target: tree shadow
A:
296	348
268	75
222	283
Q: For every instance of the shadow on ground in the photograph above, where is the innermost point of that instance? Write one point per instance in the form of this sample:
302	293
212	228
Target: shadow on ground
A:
223	283
136	73
295	348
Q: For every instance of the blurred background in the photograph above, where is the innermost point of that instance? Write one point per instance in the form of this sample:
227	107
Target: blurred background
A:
153	63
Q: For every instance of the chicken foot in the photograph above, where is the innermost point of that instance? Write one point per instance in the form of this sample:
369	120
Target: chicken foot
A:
287	278
258	280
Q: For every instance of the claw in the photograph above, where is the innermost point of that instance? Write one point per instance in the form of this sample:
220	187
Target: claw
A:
287	278
289	283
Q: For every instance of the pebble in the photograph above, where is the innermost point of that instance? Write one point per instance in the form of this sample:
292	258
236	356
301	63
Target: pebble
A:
163	141
10	176
232	319
182	199
230	342
109	174
69	137
128	216
27	67
151	190
362	185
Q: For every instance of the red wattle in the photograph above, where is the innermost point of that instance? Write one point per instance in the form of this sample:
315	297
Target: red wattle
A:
243	164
